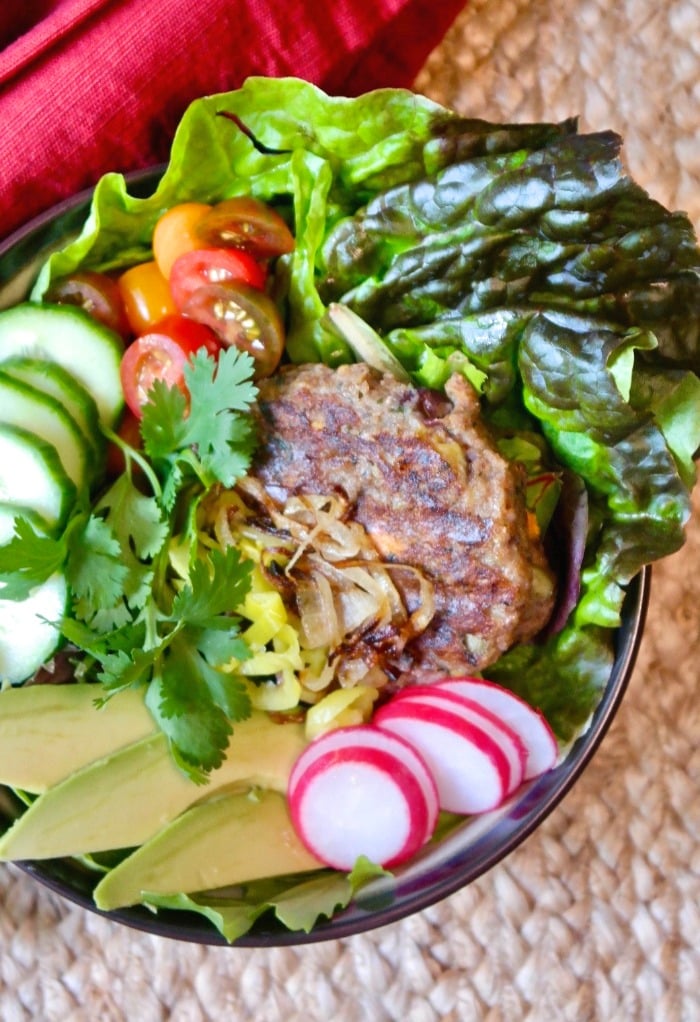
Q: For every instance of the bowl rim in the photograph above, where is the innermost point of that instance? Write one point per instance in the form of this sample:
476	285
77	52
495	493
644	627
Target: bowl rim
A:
382	902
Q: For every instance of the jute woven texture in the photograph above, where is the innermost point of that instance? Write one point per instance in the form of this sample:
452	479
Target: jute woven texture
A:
597	915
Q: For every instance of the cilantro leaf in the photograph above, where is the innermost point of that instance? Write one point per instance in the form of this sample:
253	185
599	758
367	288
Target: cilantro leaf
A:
217	585
141	532
163	426
225	689
170	423
122	670
83	636
174	484
94	568
219	391
110	619
179	657
197	700
28	560
180	702
221	645
230	445
223	383
207	430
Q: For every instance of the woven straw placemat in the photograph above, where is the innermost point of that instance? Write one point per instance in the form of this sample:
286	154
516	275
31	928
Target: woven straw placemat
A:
597	915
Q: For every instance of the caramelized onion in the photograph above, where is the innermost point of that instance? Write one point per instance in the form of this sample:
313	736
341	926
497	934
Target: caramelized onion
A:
361	610
317	614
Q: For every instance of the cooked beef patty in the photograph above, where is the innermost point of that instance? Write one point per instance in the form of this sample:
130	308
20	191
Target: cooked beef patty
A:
428	485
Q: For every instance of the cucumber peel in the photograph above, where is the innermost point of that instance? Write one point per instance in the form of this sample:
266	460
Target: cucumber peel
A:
71	338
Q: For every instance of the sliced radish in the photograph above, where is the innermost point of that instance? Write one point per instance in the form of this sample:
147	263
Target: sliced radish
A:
502	733
470	768
536	734
362	791
367	736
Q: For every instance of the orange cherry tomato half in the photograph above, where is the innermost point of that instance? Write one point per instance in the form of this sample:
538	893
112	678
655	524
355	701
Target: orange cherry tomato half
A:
162	354
146	296
95	292
212	266
242	317
247	223
175	233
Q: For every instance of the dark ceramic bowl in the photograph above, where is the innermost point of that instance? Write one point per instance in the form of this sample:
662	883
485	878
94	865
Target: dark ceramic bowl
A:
444	866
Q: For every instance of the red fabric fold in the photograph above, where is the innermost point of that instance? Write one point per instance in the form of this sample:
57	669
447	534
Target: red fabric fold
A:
50	24
97	85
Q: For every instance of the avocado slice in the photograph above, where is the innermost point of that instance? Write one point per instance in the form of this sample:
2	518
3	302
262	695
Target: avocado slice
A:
234	839
124	799
47	732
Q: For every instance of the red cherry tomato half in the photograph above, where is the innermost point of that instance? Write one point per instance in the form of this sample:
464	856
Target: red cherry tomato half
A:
244	318
162	354
202	266
95	292
247	223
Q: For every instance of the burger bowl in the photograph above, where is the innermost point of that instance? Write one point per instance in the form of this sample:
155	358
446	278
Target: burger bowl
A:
445	865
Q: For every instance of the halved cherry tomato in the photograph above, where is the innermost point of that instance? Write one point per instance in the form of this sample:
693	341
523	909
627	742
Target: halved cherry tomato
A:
212	266
175	233
242	317
247	223
95	292
162	354
146	296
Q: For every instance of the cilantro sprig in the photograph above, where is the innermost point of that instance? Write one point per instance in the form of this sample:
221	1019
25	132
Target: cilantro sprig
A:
137	623
181	654
215	440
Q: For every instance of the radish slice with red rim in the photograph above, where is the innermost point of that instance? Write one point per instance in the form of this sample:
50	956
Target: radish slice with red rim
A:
362	791
502	733
536	734
470	768
368	736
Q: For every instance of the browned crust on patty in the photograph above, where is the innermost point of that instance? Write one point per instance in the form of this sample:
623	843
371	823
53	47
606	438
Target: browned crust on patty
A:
430	488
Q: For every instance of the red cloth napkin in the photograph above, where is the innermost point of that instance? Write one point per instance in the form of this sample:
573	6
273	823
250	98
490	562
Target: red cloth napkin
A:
88	86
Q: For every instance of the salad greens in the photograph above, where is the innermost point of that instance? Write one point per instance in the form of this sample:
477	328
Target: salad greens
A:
297	902
521	255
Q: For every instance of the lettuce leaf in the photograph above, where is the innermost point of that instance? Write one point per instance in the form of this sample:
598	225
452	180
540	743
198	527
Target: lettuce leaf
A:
298	903
578	297
332	154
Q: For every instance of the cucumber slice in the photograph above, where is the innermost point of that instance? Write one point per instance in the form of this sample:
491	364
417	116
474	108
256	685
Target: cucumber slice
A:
31	475
68	336
58	383
24	406
29	633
